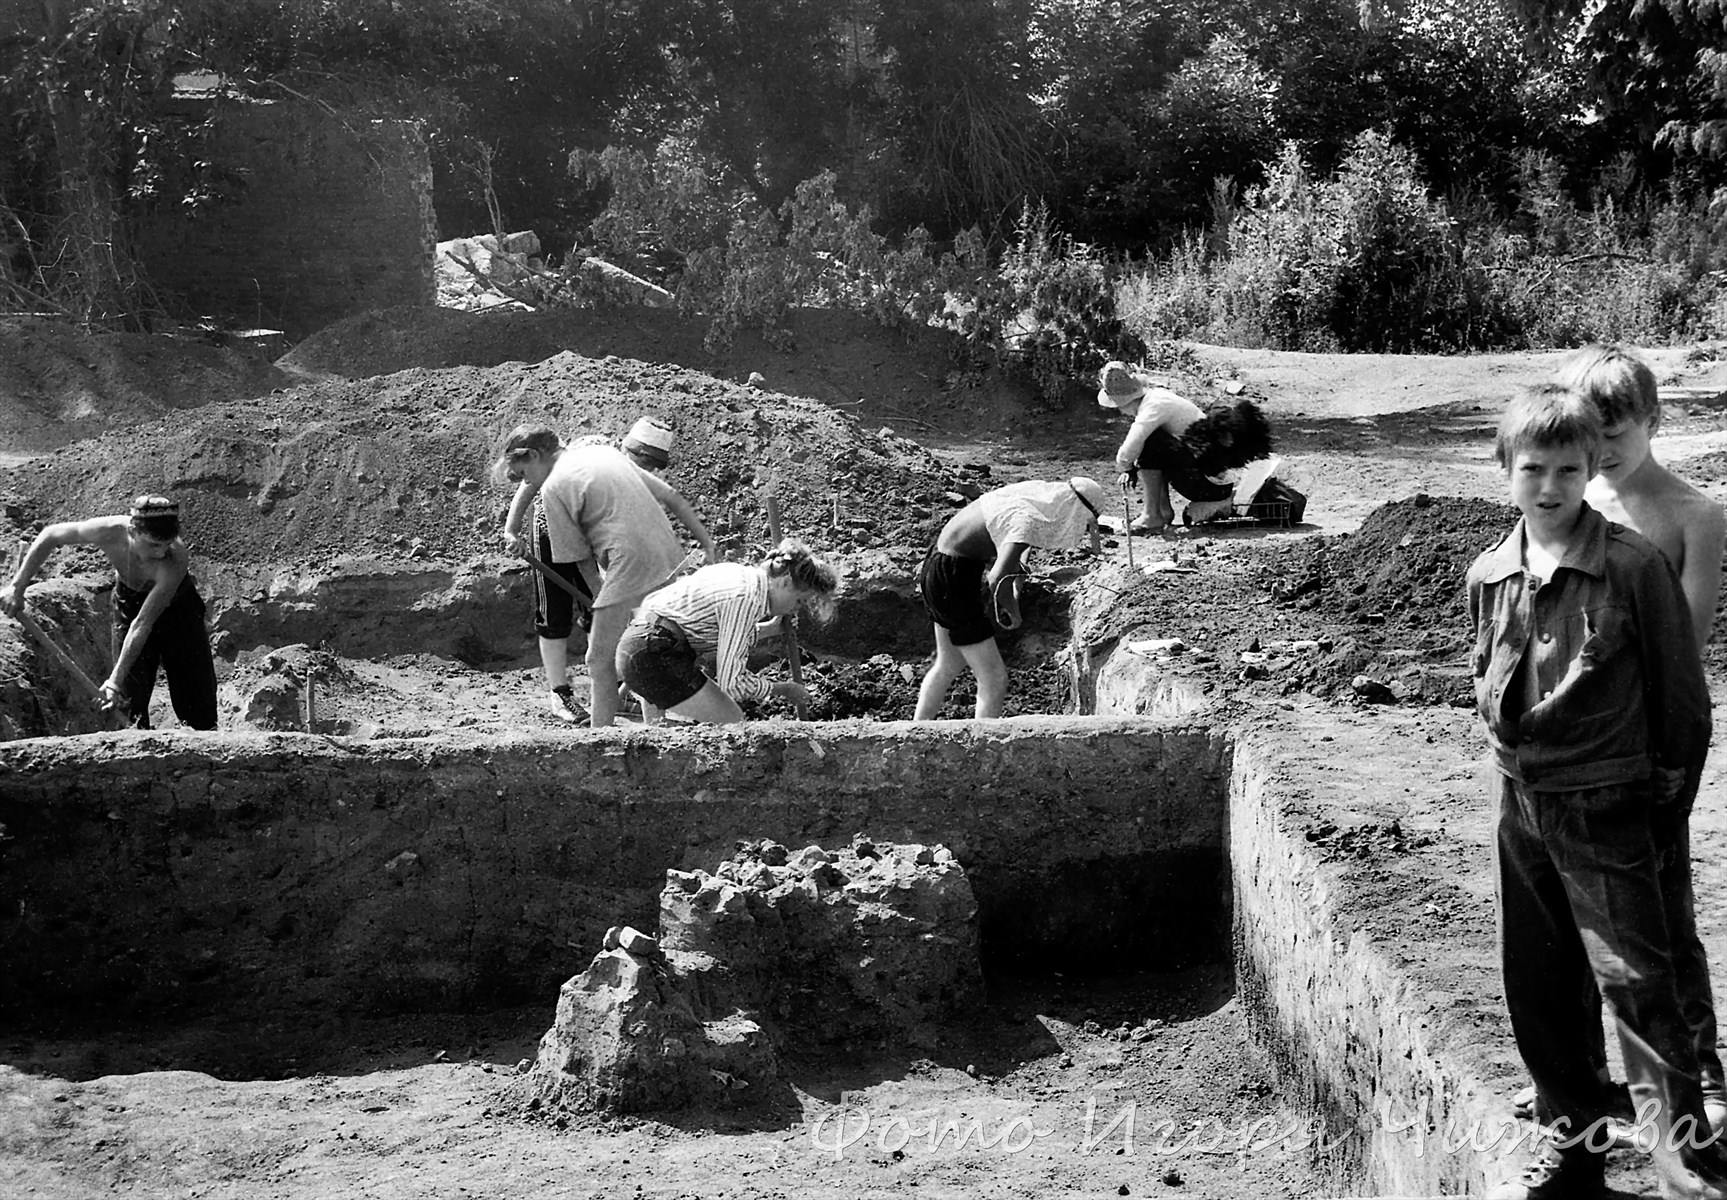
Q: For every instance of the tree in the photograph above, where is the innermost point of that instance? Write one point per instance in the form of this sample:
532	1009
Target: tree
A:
81	82
1658	70
960	114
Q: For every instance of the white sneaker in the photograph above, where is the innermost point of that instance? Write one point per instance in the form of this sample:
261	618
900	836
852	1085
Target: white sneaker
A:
564	705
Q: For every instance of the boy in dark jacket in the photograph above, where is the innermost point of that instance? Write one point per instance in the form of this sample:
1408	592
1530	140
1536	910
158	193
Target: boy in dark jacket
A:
1588	681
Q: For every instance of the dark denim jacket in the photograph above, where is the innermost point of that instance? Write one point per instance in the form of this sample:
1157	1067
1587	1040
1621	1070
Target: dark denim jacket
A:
1615	659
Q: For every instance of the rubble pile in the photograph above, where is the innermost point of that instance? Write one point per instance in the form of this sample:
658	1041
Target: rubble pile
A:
772	949
871	940
483	272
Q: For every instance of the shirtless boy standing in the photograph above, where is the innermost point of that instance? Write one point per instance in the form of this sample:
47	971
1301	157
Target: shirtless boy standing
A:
1636	491
158	614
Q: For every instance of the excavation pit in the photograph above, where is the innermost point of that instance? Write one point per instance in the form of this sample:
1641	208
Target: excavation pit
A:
311	884
420	875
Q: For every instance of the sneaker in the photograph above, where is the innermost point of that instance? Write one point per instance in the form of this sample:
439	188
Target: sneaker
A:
1702	1177
1573	1174
565	706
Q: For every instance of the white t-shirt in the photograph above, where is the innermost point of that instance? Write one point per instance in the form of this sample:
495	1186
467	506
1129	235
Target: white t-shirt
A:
598	506
1161	409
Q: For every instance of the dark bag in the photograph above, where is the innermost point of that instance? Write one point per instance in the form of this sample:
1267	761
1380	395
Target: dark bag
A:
1278	502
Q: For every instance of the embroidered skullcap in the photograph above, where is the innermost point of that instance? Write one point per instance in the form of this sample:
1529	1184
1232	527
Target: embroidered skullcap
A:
154	506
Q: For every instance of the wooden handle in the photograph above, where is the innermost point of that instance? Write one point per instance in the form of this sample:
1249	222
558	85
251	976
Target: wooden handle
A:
70	666
789	625
552	576
56	652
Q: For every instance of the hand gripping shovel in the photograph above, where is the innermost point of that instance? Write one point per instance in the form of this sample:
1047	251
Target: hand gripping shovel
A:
70	665
552	577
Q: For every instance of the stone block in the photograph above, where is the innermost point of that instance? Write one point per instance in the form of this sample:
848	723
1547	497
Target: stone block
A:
625	1040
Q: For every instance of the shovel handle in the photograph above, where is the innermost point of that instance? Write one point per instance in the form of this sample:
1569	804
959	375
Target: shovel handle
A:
58	653
552	576
788	638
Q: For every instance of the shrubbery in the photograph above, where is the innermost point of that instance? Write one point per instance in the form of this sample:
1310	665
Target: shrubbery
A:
1369	261
1046	311
1366	260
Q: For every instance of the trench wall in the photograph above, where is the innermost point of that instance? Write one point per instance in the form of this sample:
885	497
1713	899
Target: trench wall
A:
1402	1057
182	868
185	870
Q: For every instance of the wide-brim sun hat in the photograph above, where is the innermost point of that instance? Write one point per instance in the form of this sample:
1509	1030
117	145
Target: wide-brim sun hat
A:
1091	491
1119	386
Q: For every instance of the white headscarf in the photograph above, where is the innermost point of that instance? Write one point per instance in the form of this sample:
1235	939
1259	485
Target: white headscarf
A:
1051	515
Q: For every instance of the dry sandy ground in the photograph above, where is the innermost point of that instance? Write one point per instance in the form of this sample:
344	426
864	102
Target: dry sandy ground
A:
424	1108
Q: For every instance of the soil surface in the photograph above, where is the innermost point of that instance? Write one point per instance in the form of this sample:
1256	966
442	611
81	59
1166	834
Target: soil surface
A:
368	447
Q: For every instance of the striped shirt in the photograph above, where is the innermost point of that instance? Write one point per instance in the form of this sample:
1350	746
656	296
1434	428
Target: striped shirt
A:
717	607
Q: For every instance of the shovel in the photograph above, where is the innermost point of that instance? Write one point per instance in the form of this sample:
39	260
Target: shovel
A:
1127	526
576	593
66	662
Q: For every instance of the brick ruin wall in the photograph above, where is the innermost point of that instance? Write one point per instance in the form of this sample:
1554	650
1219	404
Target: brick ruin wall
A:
316	216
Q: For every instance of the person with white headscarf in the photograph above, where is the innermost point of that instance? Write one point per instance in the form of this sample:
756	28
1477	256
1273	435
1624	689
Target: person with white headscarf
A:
970	575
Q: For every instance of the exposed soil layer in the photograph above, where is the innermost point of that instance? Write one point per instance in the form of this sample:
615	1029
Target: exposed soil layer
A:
328	457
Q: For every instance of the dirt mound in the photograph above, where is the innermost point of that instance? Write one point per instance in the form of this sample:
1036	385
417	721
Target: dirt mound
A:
1404	567
398	466
1309	615
835	357
61	383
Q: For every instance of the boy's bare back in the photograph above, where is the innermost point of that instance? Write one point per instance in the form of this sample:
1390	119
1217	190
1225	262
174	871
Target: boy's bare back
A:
1685	525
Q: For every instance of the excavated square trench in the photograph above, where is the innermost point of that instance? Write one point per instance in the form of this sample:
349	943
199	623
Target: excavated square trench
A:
185	873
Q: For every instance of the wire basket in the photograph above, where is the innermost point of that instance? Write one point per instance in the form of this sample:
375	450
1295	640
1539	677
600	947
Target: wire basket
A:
1268	512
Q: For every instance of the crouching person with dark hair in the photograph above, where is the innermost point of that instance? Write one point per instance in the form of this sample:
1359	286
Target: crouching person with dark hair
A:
158	613
1174	443
720	609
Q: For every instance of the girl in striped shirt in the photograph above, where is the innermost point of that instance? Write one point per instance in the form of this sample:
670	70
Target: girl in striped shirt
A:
718	610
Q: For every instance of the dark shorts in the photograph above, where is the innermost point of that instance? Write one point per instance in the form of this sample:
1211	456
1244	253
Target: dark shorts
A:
953	596
555	611
1165	452
657	663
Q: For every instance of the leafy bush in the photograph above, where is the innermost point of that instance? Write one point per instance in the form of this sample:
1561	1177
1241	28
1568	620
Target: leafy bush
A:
1048	311
1053	310
1368	260
1396	261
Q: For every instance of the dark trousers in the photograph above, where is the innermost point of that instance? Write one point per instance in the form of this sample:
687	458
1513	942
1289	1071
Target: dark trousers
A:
1690	961
1580	889
180	646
